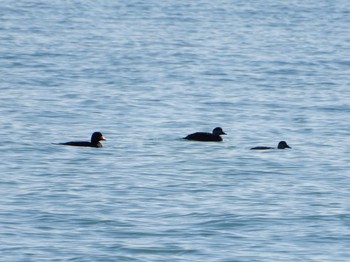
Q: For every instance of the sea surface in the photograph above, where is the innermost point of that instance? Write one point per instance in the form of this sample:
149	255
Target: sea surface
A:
146	74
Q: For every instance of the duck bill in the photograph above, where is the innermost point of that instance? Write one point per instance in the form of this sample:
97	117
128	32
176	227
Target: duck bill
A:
223	133
103	138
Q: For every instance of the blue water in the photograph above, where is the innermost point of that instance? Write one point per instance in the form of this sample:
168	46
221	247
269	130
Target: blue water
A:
147	73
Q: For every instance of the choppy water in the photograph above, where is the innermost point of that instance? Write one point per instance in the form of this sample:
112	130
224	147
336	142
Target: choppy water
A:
147	73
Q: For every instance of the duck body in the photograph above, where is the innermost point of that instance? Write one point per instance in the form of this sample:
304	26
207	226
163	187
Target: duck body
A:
95	141
262	148
82	143
207	137
281	145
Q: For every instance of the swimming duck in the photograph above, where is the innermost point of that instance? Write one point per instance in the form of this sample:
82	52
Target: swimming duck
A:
96	137
281	145
207	137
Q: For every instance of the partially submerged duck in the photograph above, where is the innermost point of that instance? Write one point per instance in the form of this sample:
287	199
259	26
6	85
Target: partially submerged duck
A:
215	136
95	141
281	145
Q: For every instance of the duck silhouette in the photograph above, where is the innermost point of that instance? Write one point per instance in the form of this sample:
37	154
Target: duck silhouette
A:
96	137
281	145
215	136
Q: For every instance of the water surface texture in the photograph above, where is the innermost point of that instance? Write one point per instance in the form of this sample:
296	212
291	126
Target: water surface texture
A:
146	74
